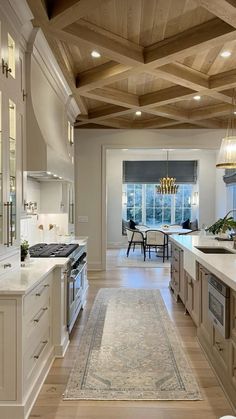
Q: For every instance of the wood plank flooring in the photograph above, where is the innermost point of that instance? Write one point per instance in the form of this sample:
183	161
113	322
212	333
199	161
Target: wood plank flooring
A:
50	405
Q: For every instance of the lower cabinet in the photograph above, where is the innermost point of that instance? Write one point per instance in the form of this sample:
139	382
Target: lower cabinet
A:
8	349
176	281
30	330
192	299
194	295
205	324
220	351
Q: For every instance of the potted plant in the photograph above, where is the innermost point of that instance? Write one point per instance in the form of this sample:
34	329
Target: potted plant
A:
222	225
24	248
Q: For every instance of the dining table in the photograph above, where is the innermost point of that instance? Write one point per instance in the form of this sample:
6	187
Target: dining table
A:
167	230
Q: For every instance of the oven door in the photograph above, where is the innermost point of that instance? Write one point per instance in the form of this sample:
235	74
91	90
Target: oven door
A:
218	310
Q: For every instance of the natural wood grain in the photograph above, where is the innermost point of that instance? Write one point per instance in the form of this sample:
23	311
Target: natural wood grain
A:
49	404
154	53
221	8
64	13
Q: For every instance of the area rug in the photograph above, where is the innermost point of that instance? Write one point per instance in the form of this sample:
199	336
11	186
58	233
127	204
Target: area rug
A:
130	351
135	260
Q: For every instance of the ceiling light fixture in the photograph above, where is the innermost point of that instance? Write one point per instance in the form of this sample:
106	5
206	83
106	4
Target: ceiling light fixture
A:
227	154
225	54
197	97
167	184
95	54
138	113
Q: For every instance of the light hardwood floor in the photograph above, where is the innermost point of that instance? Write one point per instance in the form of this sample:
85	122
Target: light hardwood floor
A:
50	405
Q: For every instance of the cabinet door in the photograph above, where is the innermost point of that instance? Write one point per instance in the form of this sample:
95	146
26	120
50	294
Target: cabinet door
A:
221	349
205	323
10	103
193	298
233	315
8	350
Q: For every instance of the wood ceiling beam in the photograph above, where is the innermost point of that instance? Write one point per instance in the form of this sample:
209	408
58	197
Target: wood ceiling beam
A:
114	96
194	40
106	112
210	111
109	47
39	10
101	75
165	96
67	12
182	75
220	8
223	81
112	123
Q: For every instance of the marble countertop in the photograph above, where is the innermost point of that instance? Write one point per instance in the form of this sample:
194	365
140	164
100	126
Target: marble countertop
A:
221	265
21	281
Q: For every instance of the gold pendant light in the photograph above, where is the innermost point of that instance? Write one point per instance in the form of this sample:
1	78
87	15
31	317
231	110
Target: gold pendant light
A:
167	184
227	154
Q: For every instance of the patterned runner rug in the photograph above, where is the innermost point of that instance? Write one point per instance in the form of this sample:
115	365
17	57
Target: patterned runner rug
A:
130	351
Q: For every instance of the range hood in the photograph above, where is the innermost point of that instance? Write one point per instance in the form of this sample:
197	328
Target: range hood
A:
48	150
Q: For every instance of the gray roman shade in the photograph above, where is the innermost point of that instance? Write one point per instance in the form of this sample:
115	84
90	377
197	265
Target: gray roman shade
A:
185	171
230	176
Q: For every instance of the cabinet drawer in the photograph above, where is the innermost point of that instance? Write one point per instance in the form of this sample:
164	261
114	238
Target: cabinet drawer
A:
35	356
39	321
221	347
38	297
10	263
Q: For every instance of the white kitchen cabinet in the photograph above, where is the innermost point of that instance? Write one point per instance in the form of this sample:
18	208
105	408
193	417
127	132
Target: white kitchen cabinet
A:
11	130
8	349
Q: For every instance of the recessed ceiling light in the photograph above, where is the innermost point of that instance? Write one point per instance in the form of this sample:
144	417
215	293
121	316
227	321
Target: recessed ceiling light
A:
95	54
138	113
234	112
197	97
48	173
225	54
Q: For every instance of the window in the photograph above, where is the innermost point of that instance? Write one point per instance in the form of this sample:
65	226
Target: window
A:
144	205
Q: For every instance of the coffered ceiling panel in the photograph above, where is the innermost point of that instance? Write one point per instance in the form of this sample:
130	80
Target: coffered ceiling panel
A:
153	56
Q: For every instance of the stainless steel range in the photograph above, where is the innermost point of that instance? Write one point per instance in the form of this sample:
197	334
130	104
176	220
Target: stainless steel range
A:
75	274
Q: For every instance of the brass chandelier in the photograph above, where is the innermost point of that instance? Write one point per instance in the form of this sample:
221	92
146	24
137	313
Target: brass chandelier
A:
167	184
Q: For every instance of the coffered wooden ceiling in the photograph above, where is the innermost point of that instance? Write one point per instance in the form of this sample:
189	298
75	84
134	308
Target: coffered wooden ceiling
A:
156	55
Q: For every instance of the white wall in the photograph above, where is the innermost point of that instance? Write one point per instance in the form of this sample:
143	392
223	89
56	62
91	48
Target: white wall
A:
33	192
90	175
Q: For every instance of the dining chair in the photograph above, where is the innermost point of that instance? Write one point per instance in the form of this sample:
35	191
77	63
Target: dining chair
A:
158	240
135	237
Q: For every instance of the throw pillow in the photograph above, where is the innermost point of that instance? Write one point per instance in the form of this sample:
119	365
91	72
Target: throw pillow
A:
194	225
132	224
186	223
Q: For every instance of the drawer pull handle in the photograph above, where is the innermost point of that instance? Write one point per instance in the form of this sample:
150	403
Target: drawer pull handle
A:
44	343
42	311
7	265
39	293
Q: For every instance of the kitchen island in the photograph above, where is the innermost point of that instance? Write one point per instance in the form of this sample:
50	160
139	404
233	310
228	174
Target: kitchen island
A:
206	285
33	326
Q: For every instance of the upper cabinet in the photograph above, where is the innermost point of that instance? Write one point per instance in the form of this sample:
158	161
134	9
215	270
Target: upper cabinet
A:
12	116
